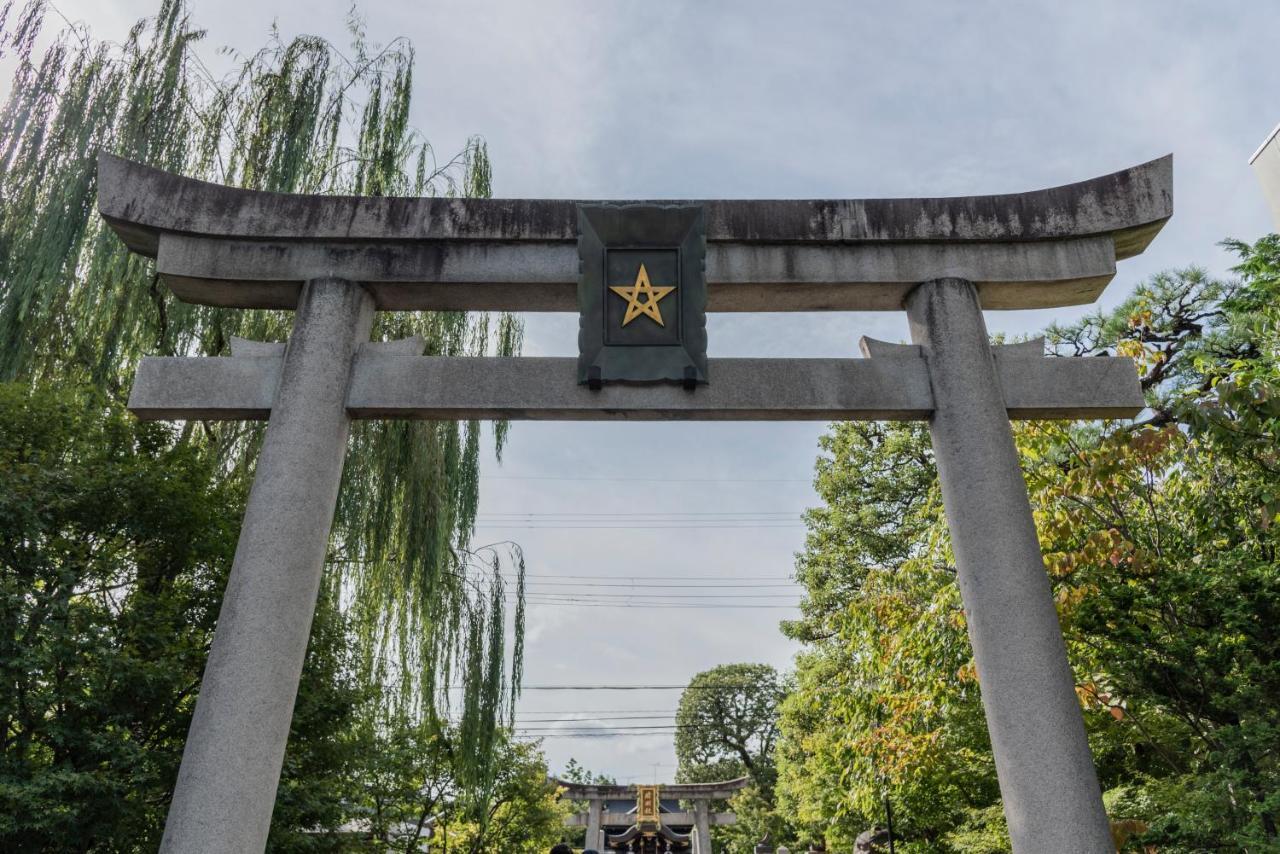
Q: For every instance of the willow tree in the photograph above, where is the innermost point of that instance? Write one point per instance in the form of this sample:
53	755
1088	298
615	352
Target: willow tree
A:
75	306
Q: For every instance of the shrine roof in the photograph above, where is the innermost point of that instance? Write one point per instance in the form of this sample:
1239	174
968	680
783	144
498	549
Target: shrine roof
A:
714	791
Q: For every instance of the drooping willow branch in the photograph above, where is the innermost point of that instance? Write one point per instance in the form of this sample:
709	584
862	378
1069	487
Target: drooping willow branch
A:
75	306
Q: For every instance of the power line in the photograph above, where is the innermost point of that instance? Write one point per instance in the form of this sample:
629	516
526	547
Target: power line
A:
728	585
617	687
584	720
659	727
628	710
623	717
541	736
690	527
679	514
651	479
667	577
642	596
652	599
637	603
645	596
644	605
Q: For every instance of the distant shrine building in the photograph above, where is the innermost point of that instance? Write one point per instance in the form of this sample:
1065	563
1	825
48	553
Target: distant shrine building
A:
670	819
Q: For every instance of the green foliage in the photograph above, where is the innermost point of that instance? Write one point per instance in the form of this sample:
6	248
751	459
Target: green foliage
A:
521	813
983	831
727	723
758	817
296	116
887	701
727	727
407	776
1161	544
327	763
114	547
406	788
576	772
115	542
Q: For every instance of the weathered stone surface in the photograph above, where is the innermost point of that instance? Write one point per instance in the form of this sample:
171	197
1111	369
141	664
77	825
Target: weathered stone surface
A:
141	202
222	246
894	384
1047	779
226	786
486	276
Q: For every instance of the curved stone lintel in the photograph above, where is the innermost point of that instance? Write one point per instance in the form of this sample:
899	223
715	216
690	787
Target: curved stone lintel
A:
224	246
141	202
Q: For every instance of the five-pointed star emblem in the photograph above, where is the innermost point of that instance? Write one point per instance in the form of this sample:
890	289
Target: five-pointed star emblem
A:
633	295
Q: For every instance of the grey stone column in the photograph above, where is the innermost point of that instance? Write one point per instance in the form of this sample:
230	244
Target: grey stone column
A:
594	808
1047	779
702	827
226	786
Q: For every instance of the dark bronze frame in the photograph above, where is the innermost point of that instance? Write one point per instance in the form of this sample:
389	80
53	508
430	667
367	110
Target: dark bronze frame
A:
638	226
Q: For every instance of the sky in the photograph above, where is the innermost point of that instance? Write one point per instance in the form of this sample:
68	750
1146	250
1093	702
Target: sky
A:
747	99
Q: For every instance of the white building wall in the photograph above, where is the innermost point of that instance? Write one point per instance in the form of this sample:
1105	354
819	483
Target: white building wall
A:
1266	164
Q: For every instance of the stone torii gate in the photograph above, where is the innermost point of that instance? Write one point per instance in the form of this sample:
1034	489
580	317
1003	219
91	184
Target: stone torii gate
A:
335	260
650	814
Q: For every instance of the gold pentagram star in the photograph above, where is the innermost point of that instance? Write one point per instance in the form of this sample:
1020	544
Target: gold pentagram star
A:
651	295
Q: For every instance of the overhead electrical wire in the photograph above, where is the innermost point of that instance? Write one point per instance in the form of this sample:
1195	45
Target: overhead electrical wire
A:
591	719
628	710
643	730
595	734
587	514
728	585
734	686
650	479
655	598
666	577
618	603
745	524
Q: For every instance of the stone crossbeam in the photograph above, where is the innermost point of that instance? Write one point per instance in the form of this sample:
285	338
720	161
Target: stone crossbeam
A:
893	385
224	246
544	277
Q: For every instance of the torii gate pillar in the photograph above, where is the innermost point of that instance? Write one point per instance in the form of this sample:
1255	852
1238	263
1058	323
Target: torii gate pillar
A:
231	763
1047	778
701	828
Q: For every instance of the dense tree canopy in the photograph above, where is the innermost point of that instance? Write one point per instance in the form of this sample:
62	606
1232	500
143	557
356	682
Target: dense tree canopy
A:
115	542
75	307
727	723
114	546
116	537
1160	540
727	727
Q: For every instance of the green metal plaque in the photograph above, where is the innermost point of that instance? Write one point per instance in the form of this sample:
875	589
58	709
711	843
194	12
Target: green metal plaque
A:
642	294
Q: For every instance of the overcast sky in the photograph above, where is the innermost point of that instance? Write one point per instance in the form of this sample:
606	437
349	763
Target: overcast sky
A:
741	99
